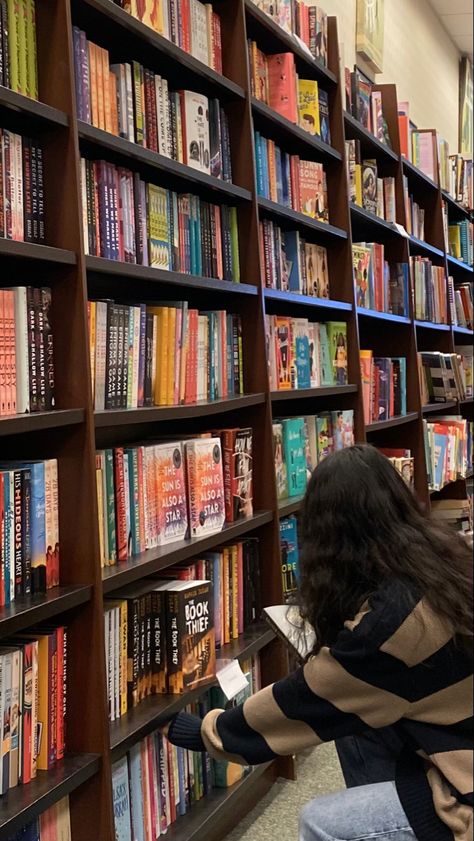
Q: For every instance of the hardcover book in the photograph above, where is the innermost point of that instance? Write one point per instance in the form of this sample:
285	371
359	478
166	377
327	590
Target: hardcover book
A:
195	126
238	470
337	339
289	556
309	106
190	635
171	493
294	442
205	483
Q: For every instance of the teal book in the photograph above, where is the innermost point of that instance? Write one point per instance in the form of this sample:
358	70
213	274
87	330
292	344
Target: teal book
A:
110	503
294	444
121	800
302	361
289	555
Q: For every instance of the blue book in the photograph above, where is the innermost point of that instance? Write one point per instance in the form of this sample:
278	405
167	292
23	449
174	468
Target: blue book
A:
439	449
289	555
259	163
266	173
29	833
294	445
121	800
279	174
181	781
292	250
136	797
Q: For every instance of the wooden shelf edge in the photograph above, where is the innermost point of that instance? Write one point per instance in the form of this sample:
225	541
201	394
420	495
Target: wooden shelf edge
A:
291	505
361	132
157	709
152	414
312	141
28	611
125	20
438	407
304	393
362	216
150	562
428	249
136	153
300	219
32	108
34	251
415	172
383	316
431	325
16	424
399	420
294	298
24	803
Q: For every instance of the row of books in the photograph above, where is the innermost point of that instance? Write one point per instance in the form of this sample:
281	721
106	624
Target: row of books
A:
448	449
300	444
274	80
461	304
190	24
29	544
379	285
430	290
461	241
291	263
290	557
155	494
307	22
162	356
290	181
375	195
457	178
384	386
403	461
156	783
305	354
127	219
18	59
161	637
456	513
135	103
32	704
366	104
414	213
52	825
22	216
26	351
445	376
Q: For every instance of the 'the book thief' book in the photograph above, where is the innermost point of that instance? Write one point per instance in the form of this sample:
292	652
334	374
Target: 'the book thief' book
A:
190	635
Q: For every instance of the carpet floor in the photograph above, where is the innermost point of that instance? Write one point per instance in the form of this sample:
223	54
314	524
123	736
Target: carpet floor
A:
276	816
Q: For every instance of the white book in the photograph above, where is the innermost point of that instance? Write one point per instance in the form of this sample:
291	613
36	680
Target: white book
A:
160	114
195	122
21	351
118	661
129	103
202	357
100	354
136	355
63	820
199	45
107	655
110	617
129	354
15	718
165	102
85	224
2	709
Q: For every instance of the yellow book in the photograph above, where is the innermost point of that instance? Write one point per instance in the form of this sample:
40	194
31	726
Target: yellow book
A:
455	241
358	184
308	106
161	351
171	354
123	657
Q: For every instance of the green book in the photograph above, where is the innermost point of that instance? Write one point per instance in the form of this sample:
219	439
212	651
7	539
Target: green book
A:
234	239
31	52
337	340
14	51
137	99
22	48
110	503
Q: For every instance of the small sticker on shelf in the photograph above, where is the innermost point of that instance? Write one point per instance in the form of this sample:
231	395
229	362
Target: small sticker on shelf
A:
231	678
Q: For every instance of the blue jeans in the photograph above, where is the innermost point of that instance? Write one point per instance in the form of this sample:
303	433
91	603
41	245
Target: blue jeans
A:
367	813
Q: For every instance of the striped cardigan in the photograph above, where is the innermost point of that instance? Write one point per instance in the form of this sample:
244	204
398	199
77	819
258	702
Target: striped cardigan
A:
392	665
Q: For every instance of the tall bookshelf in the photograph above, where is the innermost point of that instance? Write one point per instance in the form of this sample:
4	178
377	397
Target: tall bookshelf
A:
73	431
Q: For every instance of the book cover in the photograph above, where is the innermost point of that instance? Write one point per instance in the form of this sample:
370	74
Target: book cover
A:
337	338
324	435
121	800
190	635
301	353
289	556
361	257
195	127
308	106
282	85
325	129
238	468
280	462
171	493
343	429
369	186
294	442
283	353
205	484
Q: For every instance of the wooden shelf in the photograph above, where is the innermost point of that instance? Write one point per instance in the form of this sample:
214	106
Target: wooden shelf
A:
283	41
24	803
305	393
398	420
370	143
417	175
370	226
35	112
455	265
32	251
158	709
292	133
150	562
424	248
19	424
137	156
430	325
383	316
131	271
28	611
455	207
300	220
153	414
290	506
117	17
295	299
428	408
463	331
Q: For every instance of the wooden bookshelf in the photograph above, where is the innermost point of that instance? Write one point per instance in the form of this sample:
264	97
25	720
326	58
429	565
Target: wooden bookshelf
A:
72	432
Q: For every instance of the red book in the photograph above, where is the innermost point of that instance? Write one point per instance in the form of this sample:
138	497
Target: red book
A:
185	26
3	356
295	182
191	367
152	772
404	126
11	366
237	466
120	516
216	42
282	85
2	535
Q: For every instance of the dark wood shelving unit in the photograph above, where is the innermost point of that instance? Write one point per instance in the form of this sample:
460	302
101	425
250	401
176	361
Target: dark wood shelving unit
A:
460	268
74	430
430	325
428	408
419	246
455	207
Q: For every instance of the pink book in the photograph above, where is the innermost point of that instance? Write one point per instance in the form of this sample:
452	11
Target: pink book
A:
426	154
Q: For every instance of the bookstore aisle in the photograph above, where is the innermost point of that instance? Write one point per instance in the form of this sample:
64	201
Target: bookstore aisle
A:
223	256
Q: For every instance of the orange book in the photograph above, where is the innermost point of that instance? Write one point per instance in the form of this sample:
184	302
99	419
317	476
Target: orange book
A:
282	85
226	595
404	127
366	373
104	58
47	701
113	104
161	351
100	86
172	322
234	568
60	691
93	82
272	170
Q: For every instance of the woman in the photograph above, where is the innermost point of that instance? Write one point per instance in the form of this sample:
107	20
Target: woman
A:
389	594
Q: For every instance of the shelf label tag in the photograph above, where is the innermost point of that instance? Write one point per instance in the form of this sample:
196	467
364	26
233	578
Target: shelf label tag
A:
231	678
401	230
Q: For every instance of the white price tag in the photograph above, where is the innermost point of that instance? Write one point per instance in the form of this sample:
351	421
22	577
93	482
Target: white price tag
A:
231	678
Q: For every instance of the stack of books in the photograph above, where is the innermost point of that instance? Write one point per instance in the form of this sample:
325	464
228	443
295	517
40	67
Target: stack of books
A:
366	104
456	513
291	263
366	189
55	822
307	22
18	53
22	206
155	494
430	291
304	354
300	444
289	181
162	356
403	461
461	304
384	386
379	285
448	449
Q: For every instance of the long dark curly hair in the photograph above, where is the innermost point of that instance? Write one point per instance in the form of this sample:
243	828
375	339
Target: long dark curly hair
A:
361	528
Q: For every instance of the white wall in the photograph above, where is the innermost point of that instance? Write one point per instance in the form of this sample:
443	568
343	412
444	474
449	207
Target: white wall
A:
419	57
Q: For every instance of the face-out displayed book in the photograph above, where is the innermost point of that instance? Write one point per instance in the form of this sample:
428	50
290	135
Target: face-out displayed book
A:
287	623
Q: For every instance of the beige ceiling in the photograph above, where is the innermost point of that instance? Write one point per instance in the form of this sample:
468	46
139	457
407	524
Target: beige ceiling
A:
457	18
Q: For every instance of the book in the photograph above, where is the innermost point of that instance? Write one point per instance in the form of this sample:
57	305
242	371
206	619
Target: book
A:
191	638
309	106
289	555
337	338
121	800
238	472
205	483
